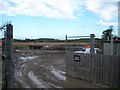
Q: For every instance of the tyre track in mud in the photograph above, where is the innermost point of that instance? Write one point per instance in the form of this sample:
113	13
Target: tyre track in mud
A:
30	72
44	69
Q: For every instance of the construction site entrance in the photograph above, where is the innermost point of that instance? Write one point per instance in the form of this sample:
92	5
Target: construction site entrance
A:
7	56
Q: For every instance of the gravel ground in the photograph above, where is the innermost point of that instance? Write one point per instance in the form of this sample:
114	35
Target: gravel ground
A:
44	69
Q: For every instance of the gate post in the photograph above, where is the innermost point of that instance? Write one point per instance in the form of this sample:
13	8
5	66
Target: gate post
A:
9	63
112	50
66	43
66	52
92	41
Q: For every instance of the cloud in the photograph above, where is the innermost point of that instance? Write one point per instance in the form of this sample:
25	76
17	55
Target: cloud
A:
65	9
106	9
47	8
107	23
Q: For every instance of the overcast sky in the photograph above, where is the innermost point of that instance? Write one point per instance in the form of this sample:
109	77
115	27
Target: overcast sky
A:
57	18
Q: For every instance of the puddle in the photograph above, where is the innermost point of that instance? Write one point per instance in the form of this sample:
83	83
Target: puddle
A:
28	57
40	83
59	74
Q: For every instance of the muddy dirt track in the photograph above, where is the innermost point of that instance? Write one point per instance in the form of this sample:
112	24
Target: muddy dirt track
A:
44	69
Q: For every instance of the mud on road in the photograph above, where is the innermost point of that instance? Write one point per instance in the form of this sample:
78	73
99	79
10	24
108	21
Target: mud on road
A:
44	69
